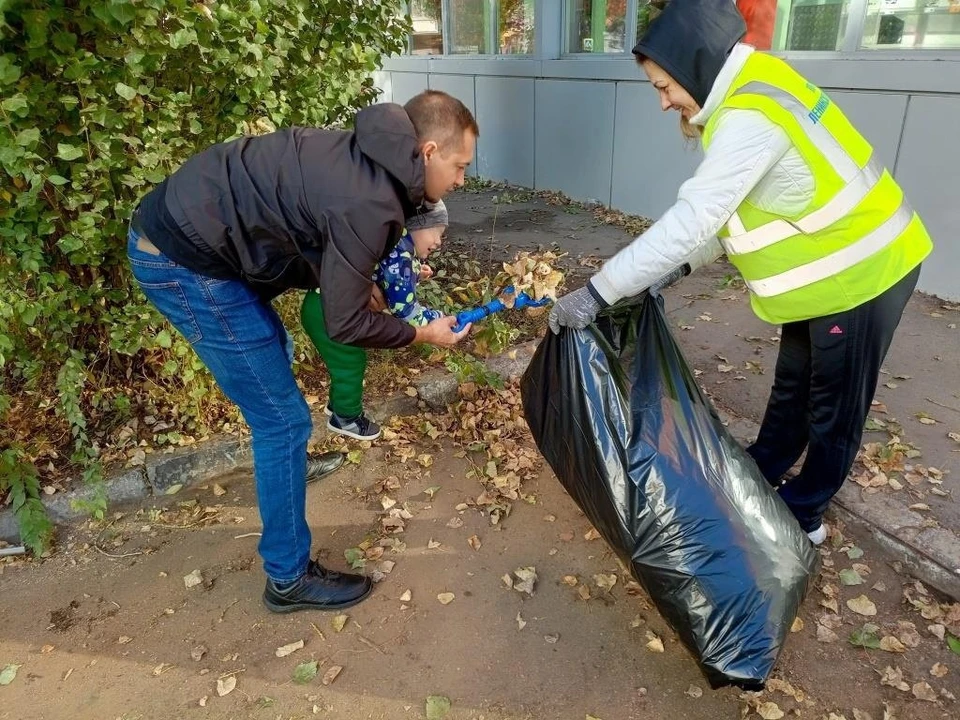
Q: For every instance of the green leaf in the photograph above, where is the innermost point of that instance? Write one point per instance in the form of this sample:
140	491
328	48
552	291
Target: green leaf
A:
8	674
163	339
305	672
123	12
57	180
15	104
438	707
954	644
69	152
850	577
183	37
866	637
28	138
854	553
125	91
355	557
174	489
873	425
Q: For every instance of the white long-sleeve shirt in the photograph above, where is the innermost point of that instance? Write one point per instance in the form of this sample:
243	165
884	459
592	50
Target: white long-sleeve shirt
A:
749	157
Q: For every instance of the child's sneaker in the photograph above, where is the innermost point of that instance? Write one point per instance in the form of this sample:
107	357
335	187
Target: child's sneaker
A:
360	427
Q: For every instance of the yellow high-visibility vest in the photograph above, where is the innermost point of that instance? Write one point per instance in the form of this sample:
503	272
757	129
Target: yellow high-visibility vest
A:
856	237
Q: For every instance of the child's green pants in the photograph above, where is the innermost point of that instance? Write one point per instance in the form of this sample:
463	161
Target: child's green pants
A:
346	364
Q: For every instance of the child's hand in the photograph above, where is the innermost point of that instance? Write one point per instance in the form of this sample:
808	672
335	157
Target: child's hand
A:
426	272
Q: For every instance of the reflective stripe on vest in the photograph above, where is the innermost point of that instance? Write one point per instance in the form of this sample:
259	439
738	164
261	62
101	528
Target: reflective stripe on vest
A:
837	262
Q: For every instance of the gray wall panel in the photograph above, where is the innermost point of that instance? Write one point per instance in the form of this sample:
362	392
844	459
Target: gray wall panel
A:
505	115
651	159
928	172
574	137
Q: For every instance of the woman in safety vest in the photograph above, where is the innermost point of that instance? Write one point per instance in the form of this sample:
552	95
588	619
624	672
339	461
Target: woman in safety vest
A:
827	244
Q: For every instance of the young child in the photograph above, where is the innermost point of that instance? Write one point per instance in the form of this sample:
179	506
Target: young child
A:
397	276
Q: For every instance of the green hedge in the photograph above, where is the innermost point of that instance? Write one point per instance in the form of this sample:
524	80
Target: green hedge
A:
99	101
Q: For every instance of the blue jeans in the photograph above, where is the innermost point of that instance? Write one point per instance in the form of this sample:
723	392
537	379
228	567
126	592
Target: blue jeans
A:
243	343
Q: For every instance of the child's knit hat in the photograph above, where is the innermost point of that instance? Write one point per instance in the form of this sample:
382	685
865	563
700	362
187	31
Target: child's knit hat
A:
428	216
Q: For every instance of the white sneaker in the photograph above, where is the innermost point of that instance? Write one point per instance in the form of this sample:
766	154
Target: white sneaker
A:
819	535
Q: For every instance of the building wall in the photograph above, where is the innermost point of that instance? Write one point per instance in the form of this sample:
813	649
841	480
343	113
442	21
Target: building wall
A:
593	129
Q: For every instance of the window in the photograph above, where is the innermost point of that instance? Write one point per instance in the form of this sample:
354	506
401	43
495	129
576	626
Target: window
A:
892	24
486	27
516	27
427	35
597	26
811	24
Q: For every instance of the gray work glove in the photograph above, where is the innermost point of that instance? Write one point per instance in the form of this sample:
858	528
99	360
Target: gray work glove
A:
575	310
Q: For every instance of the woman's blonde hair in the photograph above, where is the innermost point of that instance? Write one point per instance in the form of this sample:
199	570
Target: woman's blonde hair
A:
690	132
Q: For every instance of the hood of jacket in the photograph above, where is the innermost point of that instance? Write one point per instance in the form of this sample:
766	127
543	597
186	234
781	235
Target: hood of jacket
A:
386	135
691	40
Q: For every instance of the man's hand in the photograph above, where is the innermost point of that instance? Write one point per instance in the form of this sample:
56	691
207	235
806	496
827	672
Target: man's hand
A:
574	310
426	272
378	303
439	332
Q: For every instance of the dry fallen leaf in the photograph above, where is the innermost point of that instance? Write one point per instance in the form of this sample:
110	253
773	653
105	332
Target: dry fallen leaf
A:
938	631
124	639
570	580
797	625
474	542
861	715
770	711
782	686
433	544
338	622
551	639
826	635
939	670
285	650
584	592
605	582
694	691
894	678
862	605
521	623
193	579
161	668
592	534
226	685
330	675
891	644
923	691
202	702
406	597
655	644
455	523
526	579
219	490
198	652
46	649
446	598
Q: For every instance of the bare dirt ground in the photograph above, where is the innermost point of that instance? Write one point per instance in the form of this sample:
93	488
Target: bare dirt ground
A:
100	636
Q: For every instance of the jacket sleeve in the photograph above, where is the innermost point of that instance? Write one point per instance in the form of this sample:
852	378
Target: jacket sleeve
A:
354	246
745	147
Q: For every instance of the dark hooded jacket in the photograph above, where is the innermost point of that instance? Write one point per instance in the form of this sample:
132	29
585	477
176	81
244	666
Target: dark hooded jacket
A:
299	208
691	40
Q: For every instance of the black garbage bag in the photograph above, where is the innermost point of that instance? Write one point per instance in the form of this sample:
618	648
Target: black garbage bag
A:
617	413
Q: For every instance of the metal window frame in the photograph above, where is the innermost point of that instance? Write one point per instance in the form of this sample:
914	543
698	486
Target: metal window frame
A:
629	37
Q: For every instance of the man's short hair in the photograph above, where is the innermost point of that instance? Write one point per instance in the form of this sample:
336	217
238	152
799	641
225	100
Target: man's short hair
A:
440	117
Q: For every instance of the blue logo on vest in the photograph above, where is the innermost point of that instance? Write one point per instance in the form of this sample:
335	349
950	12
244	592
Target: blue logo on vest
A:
823	102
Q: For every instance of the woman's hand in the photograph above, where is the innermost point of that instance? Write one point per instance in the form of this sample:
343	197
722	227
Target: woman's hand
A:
574	310
439	332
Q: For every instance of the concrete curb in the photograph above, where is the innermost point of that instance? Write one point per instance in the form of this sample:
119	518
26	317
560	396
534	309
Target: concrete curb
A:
200	463
161	472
